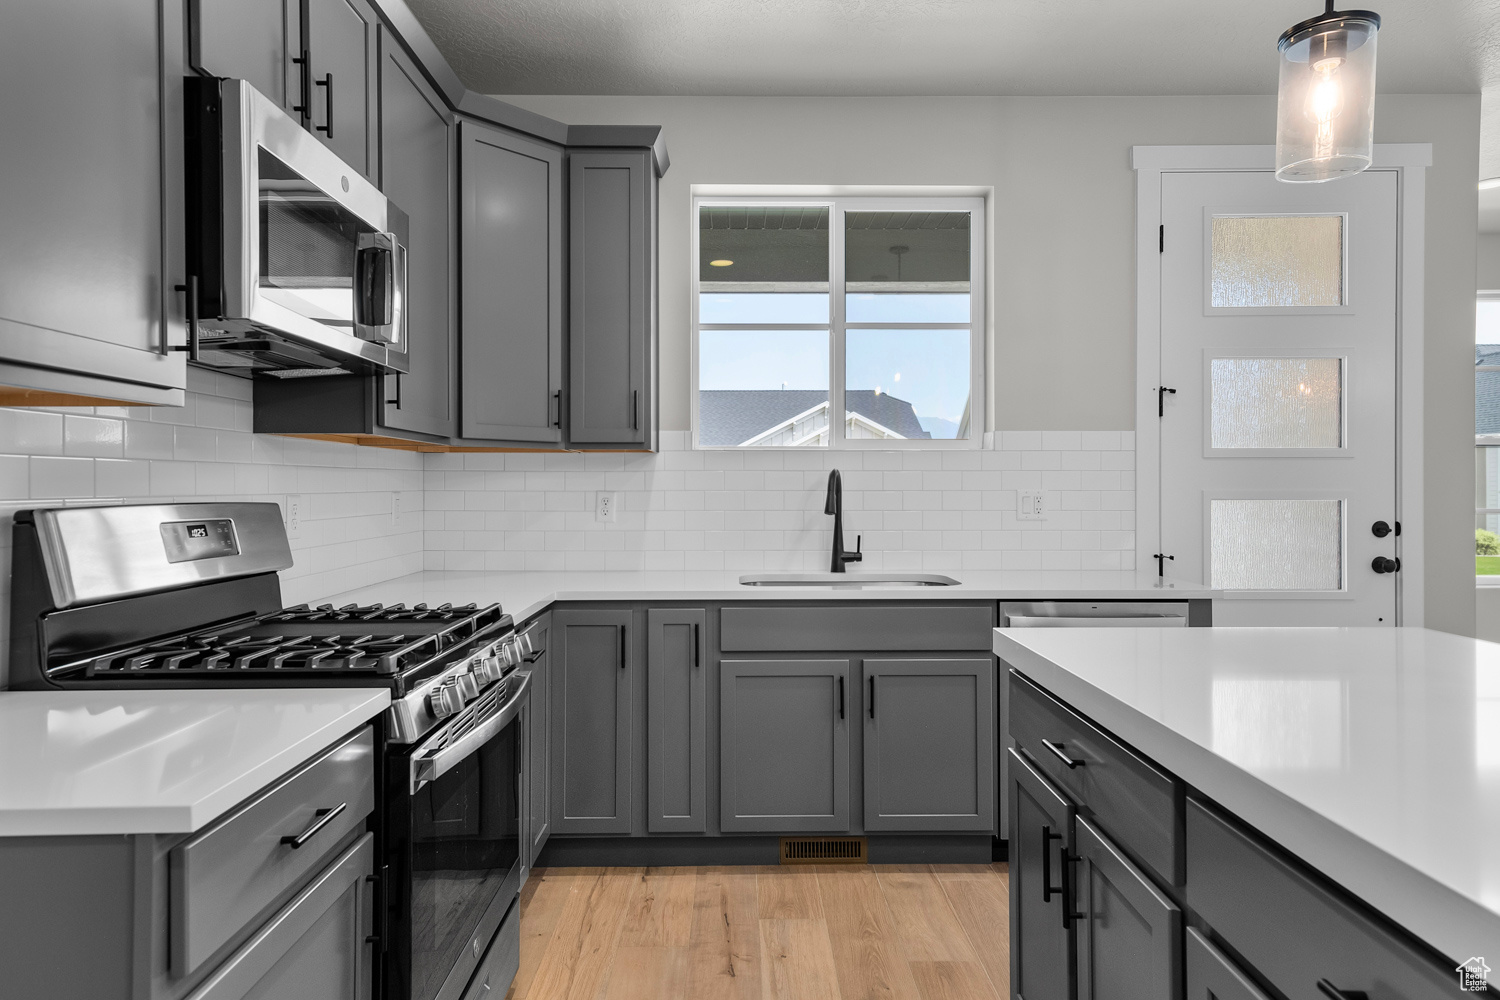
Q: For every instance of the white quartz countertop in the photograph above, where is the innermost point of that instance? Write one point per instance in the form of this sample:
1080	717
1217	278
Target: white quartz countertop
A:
1372	754
524	594
120	762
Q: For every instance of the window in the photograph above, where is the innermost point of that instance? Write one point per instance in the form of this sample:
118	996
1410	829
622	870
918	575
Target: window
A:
869	308
1487	439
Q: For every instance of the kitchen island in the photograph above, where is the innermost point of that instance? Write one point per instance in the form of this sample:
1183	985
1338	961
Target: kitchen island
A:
1359	766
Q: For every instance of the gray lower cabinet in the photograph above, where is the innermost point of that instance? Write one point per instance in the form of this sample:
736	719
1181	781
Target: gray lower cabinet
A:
539	711
1041	841
929	746
317	946
511	262
784	745
1212	976
1128	931
341	99
592	670
676	721
612	305
90	188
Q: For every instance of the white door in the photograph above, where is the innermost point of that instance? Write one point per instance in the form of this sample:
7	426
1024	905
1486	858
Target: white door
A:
1278	445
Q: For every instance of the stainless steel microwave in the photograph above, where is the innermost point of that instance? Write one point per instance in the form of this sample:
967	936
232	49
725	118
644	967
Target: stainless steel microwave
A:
297	264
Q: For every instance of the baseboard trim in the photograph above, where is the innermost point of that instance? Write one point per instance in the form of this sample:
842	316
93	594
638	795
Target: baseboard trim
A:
668	851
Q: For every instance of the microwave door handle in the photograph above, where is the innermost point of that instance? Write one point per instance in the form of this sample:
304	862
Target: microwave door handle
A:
426	767
376	282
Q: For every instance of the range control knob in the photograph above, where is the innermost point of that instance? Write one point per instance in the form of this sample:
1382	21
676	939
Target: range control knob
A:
489	669
525	643
507	654
468	686
445	701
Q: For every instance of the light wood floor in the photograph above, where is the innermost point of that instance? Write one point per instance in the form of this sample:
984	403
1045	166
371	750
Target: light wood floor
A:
882	932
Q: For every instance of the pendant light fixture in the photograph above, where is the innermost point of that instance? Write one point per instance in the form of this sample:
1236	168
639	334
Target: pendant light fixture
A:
1325	102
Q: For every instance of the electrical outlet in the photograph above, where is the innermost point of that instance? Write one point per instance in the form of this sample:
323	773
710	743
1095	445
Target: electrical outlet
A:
606	506
399	510
1031	507
296	507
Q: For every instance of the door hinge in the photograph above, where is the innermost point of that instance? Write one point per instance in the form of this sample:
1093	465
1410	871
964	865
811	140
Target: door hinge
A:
1161	562
1161	399
1161	238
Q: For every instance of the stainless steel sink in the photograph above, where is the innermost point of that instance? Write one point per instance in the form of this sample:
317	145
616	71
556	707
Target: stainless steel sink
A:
847	581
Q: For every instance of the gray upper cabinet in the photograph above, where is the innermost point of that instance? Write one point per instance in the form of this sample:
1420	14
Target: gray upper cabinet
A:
784	745
676	721
511	260
592	673
341	96
612	303
929	747
90	184
1129	934
416	172
1041	837
251	40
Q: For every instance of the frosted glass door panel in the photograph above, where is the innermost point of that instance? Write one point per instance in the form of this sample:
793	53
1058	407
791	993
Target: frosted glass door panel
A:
1276	260
1276	402
1274	544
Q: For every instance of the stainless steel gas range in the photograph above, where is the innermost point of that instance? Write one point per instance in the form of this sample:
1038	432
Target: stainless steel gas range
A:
187	596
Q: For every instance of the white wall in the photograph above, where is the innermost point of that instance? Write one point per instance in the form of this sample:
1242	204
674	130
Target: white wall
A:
205	451
1063	291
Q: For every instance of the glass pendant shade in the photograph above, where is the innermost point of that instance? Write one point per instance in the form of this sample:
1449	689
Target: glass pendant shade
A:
1325	104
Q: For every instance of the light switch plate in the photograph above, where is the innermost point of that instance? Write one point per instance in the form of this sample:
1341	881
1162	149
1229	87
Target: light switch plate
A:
606	506
1031	506
293	512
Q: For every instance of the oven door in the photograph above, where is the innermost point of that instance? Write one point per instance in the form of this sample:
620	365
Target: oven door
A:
456	843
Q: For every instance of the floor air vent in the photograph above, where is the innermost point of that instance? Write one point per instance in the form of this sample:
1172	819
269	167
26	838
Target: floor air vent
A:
823	851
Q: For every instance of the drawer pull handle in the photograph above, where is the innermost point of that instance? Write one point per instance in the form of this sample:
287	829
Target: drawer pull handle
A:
1334	993
321	818
1048	889
1061	754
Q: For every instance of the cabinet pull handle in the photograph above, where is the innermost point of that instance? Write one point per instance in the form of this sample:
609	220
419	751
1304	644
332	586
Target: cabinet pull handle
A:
304	78
622	646
872	696
1334	993
841	696
1061	754
190	308
321	818
557	397
397	401
1068	913
327	84
697	648
635	409
1048	889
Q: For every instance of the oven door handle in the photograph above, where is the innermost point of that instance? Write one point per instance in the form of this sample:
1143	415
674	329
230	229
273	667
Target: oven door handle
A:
425	768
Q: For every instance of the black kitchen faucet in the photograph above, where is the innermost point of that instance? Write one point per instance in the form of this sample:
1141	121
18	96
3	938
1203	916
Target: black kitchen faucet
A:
835	506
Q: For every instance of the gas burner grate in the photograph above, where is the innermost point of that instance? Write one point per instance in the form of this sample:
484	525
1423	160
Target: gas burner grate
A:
373	613
219	654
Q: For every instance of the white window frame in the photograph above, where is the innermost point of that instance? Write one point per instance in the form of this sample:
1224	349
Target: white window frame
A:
837	327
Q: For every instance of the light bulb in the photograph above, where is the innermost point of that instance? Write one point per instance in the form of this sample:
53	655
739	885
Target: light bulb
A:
1325	99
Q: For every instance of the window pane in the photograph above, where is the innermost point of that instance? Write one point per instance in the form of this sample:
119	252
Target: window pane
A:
1277	402
1487	322
762	388
760	264
1277	544
1270	260
902	307
762	307
906	267
906	384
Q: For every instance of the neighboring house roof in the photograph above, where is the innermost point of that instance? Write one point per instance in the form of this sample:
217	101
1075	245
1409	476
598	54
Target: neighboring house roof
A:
1486	390
733	416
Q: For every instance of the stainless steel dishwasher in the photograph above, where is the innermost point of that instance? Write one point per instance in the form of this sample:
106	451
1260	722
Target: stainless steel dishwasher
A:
1072	614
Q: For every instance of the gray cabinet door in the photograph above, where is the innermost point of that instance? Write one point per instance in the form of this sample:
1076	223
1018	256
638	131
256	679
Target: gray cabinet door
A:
510	286
539	794
318	945
1041	935
90	175
342	96
1128	932
592	669
250	40
929	744
611	303
415	173
1212	976
676	721
784	745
